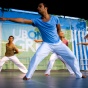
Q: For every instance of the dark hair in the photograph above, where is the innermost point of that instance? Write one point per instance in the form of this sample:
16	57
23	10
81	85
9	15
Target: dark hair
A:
11	36
44	3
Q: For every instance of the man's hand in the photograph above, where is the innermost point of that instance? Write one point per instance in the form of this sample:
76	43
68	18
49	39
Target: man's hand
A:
3	19
79	43
38	41
86	37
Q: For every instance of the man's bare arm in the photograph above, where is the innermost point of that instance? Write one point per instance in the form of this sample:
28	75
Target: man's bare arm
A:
19	20
83	43
58	29
16	50
38	41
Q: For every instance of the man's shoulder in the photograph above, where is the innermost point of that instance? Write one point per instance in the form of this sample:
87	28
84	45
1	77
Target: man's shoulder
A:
65	40
53	16
13	45
36	18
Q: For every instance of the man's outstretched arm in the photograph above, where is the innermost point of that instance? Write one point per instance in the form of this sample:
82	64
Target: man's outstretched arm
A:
19	20
83	43
38	41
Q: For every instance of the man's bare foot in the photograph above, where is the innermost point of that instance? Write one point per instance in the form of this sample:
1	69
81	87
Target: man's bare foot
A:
25	78
83	76
46	74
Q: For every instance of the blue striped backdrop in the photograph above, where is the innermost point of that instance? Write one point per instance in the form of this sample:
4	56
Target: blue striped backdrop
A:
80	51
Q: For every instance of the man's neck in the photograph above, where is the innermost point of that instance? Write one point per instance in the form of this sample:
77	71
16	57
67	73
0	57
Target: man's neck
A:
10	43
62	38
45	17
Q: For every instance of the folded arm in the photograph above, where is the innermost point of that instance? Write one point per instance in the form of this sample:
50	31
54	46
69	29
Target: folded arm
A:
16	50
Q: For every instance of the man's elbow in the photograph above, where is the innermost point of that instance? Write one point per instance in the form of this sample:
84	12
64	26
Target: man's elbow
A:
17	51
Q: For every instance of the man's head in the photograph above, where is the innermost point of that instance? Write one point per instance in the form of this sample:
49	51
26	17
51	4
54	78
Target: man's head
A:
11	38
42	8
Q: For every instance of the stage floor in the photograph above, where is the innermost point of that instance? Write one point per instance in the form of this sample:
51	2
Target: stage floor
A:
57	79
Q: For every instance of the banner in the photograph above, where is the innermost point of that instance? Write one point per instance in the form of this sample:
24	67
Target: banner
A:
24	35
78	31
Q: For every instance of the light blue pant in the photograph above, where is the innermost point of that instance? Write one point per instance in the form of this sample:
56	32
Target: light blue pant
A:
58	48
54	57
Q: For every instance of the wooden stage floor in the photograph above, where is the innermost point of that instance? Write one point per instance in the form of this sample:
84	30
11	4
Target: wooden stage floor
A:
57	79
